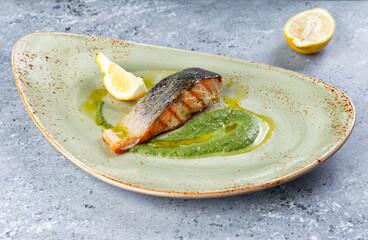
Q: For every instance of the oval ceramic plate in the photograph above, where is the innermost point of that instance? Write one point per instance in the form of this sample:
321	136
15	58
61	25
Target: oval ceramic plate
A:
55	72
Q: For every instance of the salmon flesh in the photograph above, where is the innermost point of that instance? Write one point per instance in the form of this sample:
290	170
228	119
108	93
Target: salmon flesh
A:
166	106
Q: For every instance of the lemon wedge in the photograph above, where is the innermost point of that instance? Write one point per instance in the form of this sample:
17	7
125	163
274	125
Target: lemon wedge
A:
310	31
121	84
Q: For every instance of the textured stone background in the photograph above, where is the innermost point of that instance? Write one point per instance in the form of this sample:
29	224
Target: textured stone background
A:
43	195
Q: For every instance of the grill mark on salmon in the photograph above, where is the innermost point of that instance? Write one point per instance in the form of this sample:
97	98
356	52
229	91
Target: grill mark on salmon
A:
174	113
205	87
166	106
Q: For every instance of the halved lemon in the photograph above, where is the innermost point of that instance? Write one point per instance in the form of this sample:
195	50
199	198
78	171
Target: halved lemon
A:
119	83
310	31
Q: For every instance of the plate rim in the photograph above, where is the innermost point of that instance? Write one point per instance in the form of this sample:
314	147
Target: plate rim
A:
176	194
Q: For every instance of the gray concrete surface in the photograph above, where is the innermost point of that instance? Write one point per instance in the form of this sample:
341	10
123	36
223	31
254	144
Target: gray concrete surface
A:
44	196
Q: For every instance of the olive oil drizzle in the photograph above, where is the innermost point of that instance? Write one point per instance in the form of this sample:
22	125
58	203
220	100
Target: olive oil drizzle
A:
120	130
89	106
92	107
235	103
177	143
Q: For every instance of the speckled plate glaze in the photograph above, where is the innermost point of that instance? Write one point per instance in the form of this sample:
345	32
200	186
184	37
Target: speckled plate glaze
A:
55	72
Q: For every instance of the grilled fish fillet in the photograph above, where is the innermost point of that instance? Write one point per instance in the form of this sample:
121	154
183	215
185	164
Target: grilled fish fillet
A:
166	106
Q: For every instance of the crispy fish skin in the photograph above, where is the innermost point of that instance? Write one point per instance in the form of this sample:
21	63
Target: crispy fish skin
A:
166	106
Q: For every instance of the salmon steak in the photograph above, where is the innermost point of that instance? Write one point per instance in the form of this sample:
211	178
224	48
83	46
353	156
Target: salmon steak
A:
166	106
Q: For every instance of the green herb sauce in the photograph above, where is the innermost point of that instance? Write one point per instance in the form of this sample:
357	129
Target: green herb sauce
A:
222	132
100	118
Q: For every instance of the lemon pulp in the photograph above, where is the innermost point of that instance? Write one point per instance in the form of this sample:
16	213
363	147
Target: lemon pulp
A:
309	31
